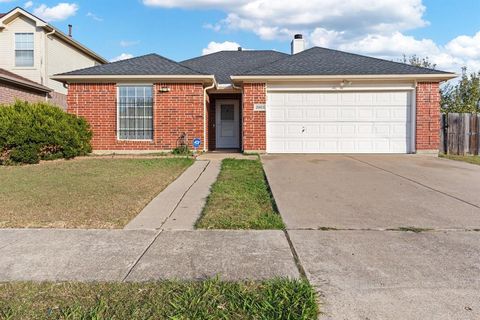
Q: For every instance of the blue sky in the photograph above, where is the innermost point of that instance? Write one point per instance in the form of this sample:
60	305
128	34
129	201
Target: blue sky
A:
446	31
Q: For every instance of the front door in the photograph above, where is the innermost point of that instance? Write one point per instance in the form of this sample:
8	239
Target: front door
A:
227	124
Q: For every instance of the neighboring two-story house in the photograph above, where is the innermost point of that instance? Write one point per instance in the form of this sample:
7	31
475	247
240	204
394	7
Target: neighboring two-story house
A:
31	51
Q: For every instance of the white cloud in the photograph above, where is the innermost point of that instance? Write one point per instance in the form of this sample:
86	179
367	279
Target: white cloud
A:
220	46
94	16
128	43
465	46
28	4
370	27
276	19
123	56
59	12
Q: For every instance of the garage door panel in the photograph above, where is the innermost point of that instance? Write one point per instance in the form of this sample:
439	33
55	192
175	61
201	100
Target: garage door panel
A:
339	122
294	99
312	114
276	114
294	114
276	130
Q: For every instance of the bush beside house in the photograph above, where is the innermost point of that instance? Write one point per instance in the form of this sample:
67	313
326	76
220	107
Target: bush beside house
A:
30	132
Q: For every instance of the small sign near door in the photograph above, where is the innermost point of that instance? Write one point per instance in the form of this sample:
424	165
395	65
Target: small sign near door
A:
259	107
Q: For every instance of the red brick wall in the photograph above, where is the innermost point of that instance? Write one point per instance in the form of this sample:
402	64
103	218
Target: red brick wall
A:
9	93
428	116
174	112
254	122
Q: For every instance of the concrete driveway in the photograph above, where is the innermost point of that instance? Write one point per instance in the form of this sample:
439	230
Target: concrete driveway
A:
344	216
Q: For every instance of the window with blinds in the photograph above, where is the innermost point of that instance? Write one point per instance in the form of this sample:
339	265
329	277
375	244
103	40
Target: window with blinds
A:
135	113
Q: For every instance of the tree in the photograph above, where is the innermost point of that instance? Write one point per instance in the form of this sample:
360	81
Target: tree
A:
464	96
418	62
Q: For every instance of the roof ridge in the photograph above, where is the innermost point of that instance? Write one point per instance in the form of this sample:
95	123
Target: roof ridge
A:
375	58
221	51
178	63
268	64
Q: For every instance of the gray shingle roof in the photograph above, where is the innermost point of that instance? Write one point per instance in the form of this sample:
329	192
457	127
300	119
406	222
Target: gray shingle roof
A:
223	64
150	64
322	61
11	77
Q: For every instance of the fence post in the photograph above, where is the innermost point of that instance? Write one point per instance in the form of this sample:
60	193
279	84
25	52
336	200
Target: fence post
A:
473	141
478	133
443	133
452	136
466	133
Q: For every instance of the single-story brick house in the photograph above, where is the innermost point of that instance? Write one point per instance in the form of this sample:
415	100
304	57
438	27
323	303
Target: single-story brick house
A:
311	101
13	86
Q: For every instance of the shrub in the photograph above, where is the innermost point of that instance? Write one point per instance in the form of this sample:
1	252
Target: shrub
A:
182	151
30	132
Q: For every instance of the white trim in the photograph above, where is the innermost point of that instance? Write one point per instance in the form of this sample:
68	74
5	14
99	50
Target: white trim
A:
132	77
414	119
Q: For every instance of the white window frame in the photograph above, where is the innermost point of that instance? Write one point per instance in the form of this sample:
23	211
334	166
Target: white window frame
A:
15	50
118	109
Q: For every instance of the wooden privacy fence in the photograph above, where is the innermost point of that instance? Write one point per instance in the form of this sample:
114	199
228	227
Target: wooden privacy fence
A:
459	133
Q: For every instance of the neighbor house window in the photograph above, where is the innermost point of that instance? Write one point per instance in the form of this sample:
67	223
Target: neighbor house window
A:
24	49
135	119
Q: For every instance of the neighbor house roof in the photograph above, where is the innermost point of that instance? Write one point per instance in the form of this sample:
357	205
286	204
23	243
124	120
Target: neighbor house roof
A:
147	66
12	14
15	79
225	63
327	62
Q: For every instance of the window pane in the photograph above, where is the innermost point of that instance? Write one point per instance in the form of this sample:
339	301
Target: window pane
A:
226	112
23	58
140	91
24	41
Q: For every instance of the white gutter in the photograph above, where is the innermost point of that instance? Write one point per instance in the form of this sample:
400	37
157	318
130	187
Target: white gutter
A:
205	115
438	77
45	48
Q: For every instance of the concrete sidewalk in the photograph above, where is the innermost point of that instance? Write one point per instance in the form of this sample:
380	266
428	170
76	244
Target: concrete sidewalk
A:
139	255
393	274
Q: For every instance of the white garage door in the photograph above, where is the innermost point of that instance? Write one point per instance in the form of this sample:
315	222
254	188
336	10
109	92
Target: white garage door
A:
339	122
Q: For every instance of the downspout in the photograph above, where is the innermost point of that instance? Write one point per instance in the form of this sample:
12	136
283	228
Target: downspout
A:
205	115
241	113
45	55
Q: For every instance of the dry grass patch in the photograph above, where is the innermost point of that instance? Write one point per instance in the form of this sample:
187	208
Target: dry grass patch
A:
469	159
83	193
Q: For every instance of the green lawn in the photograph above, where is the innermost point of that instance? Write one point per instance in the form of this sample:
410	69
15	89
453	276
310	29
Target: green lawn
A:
84	192
210	299
469	159
240	199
